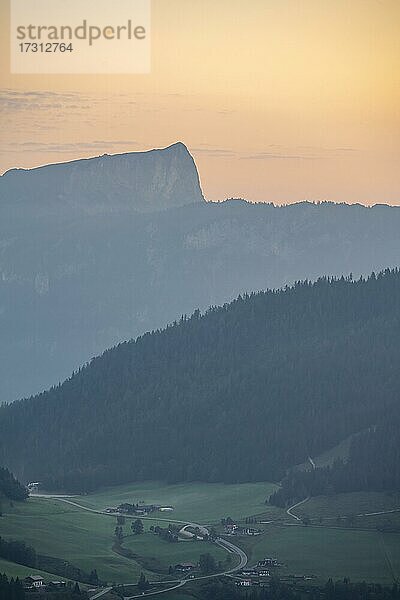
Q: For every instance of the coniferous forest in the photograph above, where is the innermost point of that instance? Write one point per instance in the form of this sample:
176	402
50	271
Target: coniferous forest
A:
241	393
11	487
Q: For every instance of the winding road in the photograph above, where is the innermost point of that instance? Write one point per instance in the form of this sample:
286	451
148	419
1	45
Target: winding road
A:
289	510
225	544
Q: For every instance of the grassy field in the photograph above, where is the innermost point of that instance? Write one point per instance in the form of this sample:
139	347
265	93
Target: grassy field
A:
327	458
390	544
13	570
157	554
328	508
82	538
204	503
86	539
327	552
341	451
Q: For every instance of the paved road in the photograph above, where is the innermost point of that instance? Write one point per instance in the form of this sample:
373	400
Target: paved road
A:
289	510
235	550
175	587
101	593
369	514
381	512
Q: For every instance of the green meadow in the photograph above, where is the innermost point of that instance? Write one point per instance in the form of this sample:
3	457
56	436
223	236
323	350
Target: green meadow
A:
355	503
14	570
157	555
86	539
203	503
82	538
327	552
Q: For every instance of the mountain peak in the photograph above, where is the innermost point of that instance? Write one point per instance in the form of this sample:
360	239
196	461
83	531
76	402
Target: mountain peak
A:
178	146
140	181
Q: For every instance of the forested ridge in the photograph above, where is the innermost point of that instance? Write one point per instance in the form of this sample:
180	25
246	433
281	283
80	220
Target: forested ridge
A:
238	394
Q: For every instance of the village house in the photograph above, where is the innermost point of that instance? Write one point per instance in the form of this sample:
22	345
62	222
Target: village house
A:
264	573
244	583
34	581
57	585
268	562
33	487
136	509
231	528
185	567
249	573
251	531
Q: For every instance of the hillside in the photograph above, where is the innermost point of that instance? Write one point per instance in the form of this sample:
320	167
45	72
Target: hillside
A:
373	463
239	394
97	251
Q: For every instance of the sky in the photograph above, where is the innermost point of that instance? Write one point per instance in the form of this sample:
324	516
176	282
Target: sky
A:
277	100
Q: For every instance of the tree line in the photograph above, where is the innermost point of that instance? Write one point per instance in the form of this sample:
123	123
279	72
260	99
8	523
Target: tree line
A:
340	590
11	589
19	552
10	487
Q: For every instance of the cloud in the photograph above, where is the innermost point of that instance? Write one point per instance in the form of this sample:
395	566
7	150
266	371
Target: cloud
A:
73	147
273	152
17	101
269	155
278	152
214	151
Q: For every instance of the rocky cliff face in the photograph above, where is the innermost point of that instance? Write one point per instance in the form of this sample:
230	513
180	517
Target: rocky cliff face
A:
135	181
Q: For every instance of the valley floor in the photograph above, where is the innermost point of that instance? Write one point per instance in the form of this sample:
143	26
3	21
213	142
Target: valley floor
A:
348	535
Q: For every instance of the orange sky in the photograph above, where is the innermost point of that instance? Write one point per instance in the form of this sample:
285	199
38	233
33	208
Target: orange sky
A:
278	100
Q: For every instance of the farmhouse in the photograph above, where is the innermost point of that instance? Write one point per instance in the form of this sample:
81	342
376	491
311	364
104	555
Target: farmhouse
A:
57	585
244	583
138	509
249	573
33	487
251	531
34	581
146	508
268	562
185	567
141	512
